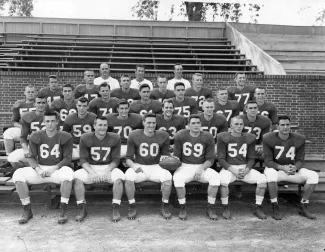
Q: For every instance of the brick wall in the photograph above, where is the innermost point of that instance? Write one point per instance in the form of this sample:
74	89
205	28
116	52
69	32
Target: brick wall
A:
301	97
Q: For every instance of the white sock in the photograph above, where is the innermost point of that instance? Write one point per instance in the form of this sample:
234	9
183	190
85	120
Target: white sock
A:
25	201
211	200
259	200
64	200
132	201
165	200
224	201
275	200
80	202
116	201
304	201
182	201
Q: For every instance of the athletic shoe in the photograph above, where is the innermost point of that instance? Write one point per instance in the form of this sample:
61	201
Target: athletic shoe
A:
259	212
182	213
303	210
27	214
211	212
132	211
226	213
63	213
276	211
166	214
82	212
116	213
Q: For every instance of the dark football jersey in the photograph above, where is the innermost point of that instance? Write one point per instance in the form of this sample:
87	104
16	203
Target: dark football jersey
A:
194	150
186	107
100	152
130	96
101	108
90	94
217	124
157	95
199	96
172	126
147	150
269	110
229	110
77	126
236	150
124	127
64	109
138	107
30	122
261	126
20	107
50	95
242	96
284	152
55	150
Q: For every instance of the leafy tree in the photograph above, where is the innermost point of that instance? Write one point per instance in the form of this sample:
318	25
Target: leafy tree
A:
21	8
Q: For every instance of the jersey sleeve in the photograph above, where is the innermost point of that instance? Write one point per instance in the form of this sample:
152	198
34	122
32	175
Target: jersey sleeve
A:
33	150
274	115
210	153
92	106
165	149
67	126
24	132
15	112
55	105
300	156
231	95
266	129
251	154
67	146
77	93
224	126
84	149
222	152
116	152
130	152
268	154
194	107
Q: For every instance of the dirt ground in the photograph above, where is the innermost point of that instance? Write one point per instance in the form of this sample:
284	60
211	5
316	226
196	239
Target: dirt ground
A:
149	232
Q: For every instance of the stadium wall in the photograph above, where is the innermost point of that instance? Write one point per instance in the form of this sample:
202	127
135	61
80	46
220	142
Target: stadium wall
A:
300	96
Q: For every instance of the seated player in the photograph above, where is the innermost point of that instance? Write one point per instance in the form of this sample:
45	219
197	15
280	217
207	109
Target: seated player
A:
178	71
88	90
53	91
145	105
169	122
50	158
123	123
104	104
284	156
125	92
12	134
79	123
30	121
139	78
195	149
145	147
223	105
197	91
104	70
99	158
162	92
66	105
184	106
236	157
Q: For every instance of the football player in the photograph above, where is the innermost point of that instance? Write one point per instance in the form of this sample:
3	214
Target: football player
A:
241	93
139	78
88	90
99	158
178	71
49	161
145	147
198	92
125	92
104	104
223	105
162	92
236	157
79	123
145	105
104	70
53	91
284	156
195	149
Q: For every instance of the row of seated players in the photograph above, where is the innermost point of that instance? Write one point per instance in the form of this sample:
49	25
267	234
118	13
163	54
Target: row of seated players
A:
50	154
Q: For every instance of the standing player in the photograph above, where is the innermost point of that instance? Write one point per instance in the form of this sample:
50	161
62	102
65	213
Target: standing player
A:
284	156
104	77
236	157
79	123
162	92
178	71
228	108
125	92
145	105
50	158
53	91
198	92
241	93
139	80
90	91
124	123
184	106
145	147
99	158
195	149
105	103
266	108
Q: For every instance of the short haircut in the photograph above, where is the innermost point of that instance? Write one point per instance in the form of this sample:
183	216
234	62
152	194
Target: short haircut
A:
83	99
145	85
140	65
88	70
52	113
235	117
53	76
283	117
149	114
250	102
106	63
125	76
178	64
197	74
30	86
193	116
179	84
40	96
168	101
123	102
222	89
104	84
259	88
236	74
209	100
162	76
67	86
100	118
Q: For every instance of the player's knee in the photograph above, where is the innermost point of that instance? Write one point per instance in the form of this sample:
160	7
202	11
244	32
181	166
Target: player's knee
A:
312	178
225	178
213	177
262	185
130	174
15	156
19	176
271	175
66	173
178	180
8	134
167	183
117	174
78	176
165	175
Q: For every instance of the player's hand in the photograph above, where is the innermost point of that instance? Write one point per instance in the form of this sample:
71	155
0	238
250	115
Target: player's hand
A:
234	171
39	170
259	150
162	158
27	154
49	172
198	174
138	169
243	172
103	179
288	170
293	169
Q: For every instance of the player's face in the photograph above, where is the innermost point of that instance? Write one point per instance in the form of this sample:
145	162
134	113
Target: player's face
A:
123	110
162	83
260	94
237	125
168	109
100	127
149	124
208	108
104	70
197	81
53	82
30	93
223	95
82	108
284	127
89	77
125	82
240	80
67	93
145	93
252	109
51	123
179	92
195	125
139	73
104	92
40	104
178	70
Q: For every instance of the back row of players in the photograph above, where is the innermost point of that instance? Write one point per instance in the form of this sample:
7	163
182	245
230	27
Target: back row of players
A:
143	147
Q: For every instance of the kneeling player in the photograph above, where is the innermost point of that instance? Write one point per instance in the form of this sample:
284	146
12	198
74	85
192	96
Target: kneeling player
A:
195	149
50	157
144	149
236	156
99	157
284	157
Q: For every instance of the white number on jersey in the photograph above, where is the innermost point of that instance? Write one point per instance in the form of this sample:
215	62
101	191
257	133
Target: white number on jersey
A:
44	151
171	131
91	95
213	130
35	126
200	99
78	131
239	96
24	110
146	149
232	150
264	113
143	112
104	111
256	131
188	149
227	113
184	111
64	113
290	154
126	131
95	153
